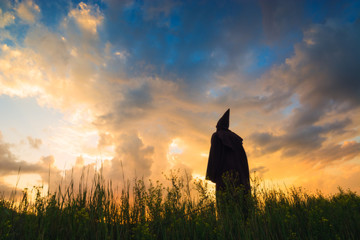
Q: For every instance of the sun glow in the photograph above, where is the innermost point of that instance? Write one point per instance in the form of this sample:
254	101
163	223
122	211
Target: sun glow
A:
22	181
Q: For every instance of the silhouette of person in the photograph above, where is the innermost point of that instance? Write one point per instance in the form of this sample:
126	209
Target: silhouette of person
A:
227	157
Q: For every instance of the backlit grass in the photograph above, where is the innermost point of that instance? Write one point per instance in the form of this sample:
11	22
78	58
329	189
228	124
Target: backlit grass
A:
155	211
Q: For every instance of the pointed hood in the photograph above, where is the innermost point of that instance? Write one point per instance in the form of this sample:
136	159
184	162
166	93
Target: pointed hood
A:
223	122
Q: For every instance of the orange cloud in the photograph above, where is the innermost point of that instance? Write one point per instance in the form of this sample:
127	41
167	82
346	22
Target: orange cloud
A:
27	11
87	17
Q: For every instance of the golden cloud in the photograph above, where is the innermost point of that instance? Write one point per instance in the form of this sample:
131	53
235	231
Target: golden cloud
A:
88	17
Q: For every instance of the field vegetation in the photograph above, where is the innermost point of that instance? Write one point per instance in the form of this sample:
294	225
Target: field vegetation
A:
179	210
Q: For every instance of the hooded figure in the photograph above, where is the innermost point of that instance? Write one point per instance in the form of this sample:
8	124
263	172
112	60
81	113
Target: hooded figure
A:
227	155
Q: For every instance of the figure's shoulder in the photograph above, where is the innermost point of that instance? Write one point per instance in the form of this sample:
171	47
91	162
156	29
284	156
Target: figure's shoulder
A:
214	135
234	135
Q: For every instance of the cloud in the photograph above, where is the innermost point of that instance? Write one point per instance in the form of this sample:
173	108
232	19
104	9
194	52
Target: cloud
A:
298	139
183	41
260	170
322	75
34	142
48	160
280	16
133	156
331	52
56	75
323	70
284	21
9	164
28	11
87	17
6	19
15	68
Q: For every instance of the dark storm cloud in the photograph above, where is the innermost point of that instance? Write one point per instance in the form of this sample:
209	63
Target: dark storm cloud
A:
324	71
324	75
280	16
333	60
298	140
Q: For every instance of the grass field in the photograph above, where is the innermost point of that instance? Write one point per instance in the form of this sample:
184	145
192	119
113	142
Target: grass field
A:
181	210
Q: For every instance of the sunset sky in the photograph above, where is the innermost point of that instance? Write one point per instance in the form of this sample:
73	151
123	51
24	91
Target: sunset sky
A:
140	86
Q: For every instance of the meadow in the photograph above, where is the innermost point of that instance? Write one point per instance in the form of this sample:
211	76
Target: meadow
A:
182	209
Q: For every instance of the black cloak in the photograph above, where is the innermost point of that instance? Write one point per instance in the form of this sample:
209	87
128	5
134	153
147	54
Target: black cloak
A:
227	154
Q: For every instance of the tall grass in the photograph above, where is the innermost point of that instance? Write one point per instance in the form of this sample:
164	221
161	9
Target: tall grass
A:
155	211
